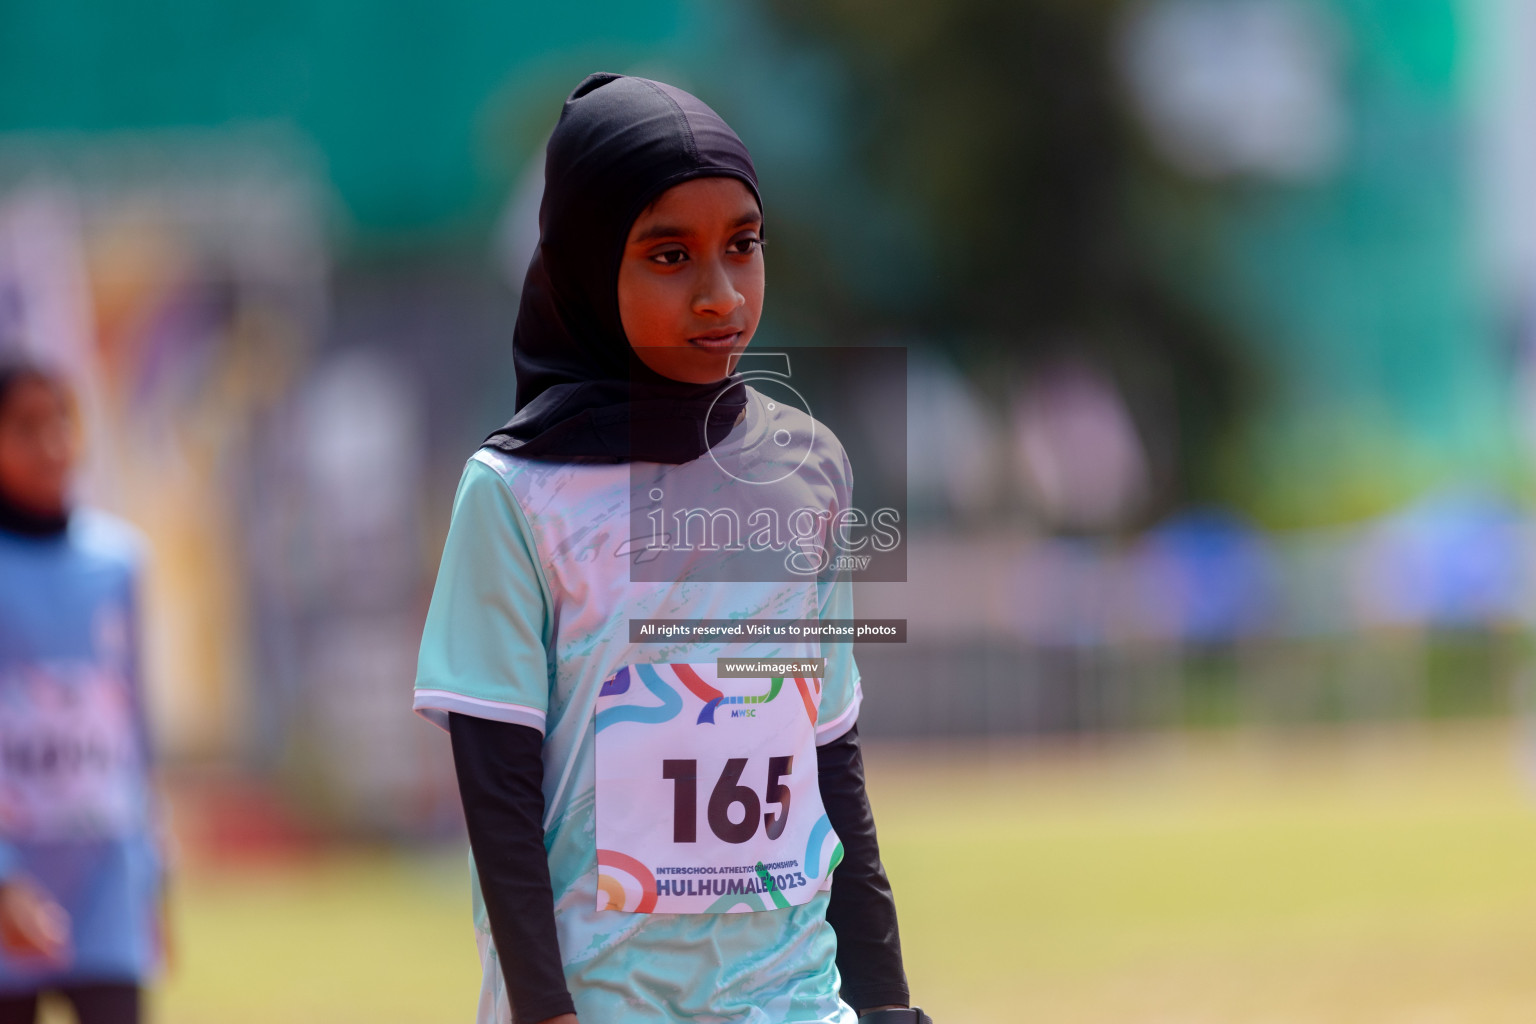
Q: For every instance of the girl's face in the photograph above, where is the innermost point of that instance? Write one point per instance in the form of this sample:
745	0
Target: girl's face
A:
37	446
691	282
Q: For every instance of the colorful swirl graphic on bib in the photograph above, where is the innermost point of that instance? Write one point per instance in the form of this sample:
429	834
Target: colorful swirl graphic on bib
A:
729	902
713	698
806	698
767	880
654	714
700	689
628	884
818	861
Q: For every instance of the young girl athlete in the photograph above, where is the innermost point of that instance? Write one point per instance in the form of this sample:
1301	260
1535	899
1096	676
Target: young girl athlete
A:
653	841
80	861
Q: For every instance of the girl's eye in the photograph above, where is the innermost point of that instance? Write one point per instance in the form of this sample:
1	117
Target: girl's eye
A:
669	257
746	246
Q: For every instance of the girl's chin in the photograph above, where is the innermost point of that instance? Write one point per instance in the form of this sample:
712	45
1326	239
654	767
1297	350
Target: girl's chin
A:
692	363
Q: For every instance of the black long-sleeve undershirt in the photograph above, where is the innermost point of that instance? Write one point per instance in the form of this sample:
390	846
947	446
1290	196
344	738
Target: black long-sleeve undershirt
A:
501	775
861	910
500	772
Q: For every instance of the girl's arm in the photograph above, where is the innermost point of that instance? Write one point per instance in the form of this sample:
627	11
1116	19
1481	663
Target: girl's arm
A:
501	771
483	675
32	924
861	909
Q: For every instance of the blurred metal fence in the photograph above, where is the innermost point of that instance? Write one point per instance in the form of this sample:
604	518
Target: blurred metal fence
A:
1209	621
1001	688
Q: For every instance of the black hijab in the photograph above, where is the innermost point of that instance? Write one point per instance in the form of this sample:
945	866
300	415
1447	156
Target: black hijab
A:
581	391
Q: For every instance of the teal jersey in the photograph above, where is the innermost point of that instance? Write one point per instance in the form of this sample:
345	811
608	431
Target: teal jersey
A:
529	620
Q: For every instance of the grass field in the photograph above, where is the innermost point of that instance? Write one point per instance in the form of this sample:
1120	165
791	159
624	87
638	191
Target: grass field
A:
1350	877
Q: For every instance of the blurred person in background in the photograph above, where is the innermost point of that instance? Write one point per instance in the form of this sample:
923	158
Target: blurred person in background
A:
80	865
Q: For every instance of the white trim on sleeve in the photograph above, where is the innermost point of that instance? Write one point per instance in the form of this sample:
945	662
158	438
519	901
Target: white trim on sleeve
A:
434	705
830	730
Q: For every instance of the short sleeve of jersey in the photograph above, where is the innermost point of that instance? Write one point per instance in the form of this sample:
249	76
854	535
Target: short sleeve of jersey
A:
841	691
484	646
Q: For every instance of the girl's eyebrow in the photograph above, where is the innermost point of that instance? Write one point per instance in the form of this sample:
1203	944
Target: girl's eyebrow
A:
660	231
669	231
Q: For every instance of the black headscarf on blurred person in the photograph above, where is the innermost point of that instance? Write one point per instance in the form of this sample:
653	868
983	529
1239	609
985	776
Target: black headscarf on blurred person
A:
13	517
581	391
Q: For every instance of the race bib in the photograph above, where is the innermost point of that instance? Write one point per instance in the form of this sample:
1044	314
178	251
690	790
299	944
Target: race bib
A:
707	794
68	754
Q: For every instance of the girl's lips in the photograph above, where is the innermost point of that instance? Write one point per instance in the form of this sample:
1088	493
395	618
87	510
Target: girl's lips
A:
716	340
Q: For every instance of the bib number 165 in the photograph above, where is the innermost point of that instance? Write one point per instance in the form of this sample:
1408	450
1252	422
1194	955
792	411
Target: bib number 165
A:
727	792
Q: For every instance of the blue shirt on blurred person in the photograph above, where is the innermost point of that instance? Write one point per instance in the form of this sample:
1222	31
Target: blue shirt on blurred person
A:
75	801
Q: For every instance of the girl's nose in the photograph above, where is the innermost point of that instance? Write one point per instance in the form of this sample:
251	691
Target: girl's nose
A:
717	294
